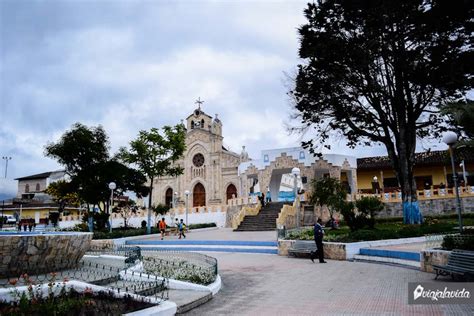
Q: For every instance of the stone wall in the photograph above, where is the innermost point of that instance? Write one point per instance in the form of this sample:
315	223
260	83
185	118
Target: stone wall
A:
430	207
433	256
332	250
231	211
27	253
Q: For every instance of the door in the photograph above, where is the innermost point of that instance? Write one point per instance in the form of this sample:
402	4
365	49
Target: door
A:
231	190
199	195
169	197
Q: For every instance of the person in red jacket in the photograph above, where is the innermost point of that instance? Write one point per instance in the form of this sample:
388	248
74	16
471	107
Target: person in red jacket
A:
162	227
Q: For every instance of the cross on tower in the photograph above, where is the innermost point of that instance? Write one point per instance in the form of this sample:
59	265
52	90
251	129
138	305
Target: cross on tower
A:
199	102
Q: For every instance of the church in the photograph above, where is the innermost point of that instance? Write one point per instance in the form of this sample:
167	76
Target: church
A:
210	170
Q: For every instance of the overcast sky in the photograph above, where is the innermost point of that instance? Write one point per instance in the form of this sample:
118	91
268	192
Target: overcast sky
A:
132	65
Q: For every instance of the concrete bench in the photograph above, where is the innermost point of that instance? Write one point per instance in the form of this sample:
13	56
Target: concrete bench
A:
302	247
460	263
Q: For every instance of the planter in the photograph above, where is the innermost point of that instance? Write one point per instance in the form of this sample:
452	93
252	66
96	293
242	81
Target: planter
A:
22	252
347	251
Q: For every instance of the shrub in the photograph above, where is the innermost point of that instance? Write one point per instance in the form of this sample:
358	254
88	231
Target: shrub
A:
201	225
462	242
368	208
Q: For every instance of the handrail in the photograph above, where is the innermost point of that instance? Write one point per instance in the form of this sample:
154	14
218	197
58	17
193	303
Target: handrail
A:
428	194
246	210
286	212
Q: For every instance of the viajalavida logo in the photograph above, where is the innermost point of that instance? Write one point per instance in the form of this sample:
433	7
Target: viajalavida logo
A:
417	292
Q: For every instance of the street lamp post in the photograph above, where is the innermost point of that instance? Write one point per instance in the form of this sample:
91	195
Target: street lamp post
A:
6	158
450	138
463	165
296	172
175	200
375	182
186	193
112	187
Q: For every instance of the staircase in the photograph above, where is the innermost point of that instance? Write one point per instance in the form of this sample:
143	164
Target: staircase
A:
265	220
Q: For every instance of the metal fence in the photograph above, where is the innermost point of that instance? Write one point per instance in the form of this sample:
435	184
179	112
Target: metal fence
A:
107	275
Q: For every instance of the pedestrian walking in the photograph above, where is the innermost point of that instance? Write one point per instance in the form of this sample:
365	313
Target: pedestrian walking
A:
318	238
162	227
176	224
181	228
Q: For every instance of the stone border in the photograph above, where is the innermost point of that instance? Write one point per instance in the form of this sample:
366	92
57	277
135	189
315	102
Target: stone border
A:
164	308
347	251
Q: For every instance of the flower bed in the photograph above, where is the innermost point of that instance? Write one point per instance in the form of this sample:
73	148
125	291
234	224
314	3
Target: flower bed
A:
179	270
64	298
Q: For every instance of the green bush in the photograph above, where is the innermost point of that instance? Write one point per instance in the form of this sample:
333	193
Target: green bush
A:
462	242
369	207
202	225
120	233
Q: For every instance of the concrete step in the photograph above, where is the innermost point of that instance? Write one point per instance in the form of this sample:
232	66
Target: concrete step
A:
187	300
402	262
266	247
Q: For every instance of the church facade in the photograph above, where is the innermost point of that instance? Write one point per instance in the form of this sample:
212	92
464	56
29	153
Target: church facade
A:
210	170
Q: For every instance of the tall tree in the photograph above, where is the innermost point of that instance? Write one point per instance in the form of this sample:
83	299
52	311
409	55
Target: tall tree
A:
155	154
462	116
378	71
84	152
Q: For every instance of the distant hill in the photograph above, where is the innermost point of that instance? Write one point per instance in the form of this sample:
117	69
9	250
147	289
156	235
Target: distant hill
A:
6	196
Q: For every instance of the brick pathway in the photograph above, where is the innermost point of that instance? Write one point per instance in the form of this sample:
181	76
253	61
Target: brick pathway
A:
272	285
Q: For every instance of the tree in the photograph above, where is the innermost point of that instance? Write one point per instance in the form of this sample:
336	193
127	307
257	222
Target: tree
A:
126	209
378	71
63	193
461	115
328	191
84	152
156	154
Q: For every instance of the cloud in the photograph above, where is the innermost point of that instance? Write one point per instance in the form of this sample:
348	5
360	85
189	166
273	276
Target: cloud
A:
133	65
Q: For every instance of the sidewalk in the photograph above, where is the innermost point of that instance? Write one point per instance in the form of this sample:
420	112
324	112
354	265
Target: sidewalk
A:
220	234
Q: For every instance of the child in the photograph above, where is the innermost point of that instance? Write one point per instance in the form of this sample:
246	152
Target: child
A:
181	229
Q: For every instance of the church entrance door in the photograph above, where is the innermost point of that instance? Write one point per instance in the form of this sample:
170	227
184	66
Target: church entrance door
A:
231	190
169	197
199	195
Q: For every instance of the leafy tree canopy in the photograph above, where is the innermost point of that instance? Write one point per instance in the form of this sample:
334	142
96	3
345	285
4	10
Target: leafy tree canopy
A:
84	152
378	71
155	153
462	116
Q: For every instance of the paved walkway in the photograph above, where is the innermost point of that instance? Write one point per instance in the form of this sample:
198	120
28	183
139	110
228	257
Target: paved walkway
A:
256	284
220	234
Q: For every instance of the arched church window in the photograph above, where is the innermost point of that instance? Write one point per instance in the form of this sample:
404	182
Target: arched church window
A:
202	123
27	188
37	187
192	124
198	160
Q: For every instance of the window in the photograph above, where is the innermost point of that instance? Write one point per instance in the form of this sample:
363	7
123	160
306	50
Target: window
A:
198	160
202	123
301	154
265	158
192	124
27	188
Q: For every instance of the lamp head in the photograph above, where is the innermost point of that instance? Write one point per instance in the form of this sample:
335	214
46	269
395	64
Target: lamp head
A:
112	186
375	179
450	138
186	192
295	171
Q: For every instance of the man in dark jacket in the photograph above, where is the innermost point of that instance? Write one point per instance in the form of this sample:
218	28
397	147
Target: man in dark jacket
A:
318	238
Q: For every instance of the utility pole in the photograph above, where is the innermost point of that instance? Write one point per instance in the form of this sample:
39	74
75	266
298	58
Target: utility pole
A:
6	158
